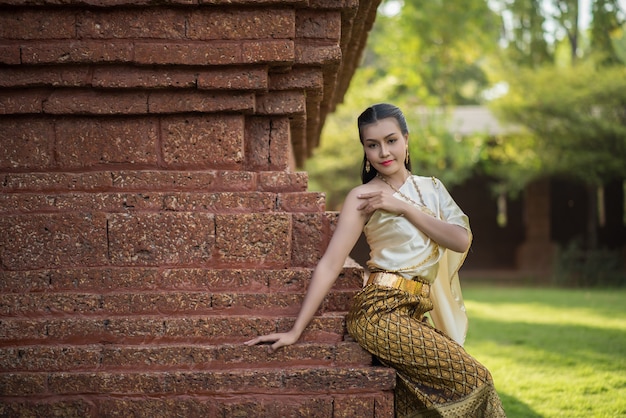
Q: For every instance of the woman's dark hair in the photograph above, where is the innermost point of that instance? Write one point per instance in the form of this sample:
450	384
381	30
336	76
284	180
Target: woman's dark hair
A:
372	115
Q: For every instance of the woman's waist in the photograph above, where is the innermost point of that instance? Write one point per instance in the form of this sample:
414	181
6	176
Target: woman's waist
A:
416	285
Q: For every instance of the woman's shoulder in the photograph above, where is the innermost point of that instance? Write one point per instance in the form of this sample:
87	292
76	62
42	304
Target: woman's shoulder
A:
432	181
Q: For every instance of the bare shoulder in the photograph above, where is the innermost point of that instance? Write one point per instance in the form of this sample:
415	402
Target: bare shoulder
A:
372	186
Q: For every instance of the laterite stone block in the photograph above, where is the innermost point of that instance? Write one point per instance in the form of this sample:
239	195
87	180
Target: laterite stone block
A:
44	240
203	141
160	238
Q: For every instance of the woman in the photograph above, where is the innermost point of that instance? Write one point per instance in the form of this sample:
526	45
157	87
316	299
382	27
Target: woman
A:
409	222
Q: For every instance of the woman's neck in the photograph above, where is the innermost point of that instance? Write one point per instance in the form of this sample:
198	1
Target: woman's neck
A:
396	179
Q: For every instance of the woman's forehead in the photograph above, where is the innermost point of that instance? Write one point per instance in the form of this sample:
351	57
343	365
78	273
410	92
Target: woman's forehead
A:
380	129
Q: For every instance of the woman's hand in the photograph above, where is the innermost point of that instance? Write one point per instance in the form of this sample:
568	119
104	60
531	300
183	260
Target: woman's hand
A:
280	339
380	199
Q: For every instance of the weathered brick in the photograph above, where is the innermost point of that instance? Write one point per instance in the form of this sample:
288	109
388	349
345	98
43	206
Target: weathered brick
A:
218	329
281	103
26	143
42	182
80	202
46	240
97	279
160	238
42	304
85	142
235	381
289	280
317	24
22	384
66	52
199	101
225	78
37	24
312	53
215	24
298	78
26	76
96	102
22	330
157	303
188	53
280	181
241	304
103	383
338	300
22	101
184	180
24	281
91	331
47	408
103	279
277	52
328	328
260	239
283	406
215	280
132	23
331	379
352	406
46	359
308	230
10	54
118	76
214	356
267	143
208	142
302	202
225	202
350	352
165	407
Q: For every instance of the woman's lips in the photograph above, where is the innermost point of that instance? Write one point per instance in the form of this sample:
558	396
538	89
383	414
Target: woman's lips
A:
387	163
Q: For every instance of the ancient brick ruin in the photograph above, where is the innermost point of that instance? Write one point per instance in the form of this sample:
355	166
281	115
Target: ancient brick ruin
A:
152	215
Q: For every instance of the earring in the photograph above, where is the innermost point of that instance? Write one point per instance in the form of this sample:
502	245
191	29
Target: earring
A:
367	166
406	160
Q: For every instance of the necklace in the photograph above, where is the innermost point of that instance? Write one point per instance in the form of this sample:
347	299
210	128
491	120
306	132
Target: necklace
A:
421	205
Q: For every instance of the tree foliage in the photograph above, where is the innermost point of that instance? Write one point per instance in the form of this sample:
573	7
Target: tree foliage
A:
565	91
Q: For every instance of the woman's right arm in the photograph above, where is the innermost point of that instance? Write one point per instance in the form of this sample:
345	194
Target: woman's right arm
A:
347	232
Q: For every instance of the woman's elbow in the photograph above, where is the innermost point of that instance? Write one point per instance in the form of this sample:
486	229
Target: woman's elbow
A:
462	241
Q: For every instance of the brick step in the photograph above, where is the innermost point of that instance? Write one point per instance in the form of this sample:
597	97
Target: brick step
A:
363	404
55	305
286	380
149	180
177	357
103	280
154	329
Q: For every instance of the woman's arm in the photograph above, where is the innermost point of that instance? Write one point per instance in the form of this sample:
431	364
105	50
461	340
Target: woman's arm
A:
453	237
349	227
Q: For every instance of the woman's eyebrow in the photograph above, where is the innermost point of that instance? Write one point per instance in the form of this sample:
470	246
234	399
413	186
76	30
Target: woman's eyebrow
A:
376	140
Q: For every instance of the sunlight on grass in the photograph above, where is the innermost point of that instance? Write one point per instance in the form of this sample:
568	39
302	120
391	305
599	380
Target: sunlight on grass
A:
552	352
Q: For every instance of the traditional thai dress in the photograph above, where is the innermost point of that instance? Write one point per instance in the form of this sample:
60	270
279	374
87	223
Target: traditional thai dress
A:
411	276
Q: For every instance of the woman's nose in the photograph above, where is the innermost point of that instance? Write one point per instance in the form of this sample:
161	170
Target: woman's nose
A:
384	151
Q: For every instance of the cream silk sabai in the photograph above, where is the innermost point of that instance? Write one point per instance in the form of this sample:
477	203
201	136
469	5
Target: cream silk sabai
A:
398	246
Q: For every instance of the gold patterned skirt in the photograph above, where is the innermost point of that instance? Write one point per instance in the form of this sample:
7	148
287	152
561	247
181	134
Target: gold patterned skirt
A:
435	376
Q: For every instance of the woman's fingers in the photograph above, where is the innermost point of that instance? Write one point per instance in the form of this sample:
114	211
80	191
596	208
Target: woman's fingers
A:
262	339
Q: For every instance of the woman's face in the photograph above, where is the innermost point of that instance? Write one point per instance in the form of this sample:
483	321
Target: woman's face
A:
385	146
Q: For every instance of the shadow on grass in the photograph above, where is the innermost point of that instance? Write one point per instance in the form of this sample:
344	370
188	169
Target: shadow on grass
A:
515	408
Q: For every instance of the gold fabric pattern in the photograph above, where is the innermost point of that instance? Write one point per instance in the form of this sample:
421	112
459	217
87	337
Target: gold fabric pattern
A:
435	375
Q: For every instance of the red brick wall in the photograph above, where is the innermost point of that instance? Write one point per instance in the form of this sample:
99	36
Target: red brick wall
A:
151	214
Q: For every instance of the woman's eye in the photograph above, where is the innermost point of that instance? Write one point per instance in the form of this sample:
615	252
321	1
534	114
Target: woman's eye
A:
372	145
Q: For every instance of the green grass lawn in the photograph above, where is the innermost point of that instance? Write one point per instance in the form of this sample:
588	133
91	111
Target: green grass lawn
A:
552	352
